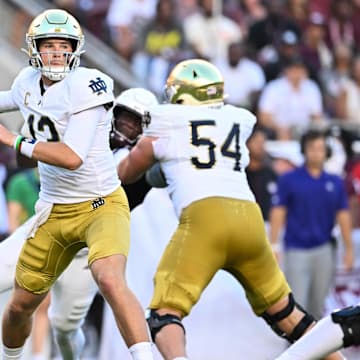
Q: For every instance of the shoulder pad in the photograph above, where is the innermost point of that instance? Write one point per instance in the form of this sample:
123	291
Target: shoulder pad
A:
89	88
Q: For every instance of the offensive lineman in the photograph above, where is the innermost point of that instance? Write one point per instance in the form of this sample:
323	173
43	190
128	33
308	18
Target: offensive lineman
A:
74	291
81	203
201	146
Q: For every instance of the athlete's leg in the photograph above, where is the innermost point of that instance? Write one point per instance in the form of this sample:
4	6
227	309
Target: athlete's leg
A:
189	262
168	333
9	252
264	283
41	328
17	319
42	259
72	296
108	237
109	273
338	330
10	249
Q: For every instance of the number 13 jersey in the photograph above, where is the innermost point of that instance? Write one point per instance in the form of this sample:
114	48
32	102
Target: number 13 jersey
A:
50	115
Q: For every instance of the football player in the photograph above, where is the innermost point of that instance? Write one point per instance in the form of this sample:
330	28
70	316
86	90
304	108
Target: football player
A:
338	330
81	201
74	291
201	146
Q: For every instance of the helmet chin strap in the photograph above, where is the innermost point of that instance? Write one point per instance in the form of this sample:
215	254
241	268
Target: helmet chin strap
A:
56	72
53	75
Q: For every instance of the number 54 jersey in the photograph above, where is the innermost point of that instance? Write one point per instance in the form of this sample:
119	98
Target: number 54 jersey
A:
202	151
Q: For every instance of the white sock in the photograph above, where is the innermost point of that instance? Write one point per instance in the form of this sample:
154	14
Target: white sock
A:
12	353
71	343
141	351
181	358
38	356
324	338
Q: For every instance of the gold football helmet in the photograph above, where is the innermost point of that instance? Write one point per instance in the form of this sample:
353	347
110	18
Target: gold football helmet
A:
194	82
55	23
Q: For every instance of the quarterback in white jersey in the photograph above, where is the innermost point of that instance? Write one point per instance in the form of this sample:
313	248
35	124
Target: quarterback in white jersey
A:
74	291
81	203
47	118
201	146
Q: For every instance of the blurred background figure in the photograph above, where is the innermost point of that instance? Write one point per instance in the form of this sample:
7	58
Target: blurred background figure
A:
308	203
342	25
287	49
290	103
347	102
333	78
314	50
245	12
209	32
260	173
244	78
91	13
161	44
298	11
22	192
265	34
125	19
5	162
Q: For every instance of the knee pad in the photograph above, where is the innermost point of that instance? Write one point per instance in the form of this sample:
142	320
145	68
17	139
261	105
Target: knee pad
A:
349	320
156	322
67	321
273	319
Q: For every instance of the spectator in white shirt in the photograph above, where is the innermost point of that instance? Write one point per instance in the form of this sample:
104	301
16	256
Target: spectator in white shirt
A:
244	78
348	100
209	33
125	19
291	102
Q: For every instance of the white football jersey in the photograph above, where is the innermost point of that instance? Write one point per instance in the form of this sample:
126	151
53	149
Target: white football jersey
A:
47	116
202	151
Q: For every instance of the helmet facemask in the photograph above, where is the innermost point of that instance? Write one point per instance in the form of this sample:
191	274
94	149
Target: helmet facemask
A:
126	127
130	116
54	24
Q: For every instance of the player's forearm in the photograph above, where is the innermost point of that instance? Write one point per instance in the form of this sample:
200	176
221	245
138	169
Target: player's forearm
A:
276	220
127	174
57	154
137	162
344	221
52	153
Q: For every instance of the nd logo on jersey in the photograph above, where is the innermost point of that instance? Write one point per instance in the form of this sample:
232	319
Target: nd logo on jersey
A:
97	203
98	86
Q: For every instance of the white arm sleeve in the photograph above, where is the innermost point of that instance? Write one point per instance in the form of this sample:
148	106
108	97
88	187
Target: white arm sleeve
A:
6	102
81	130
